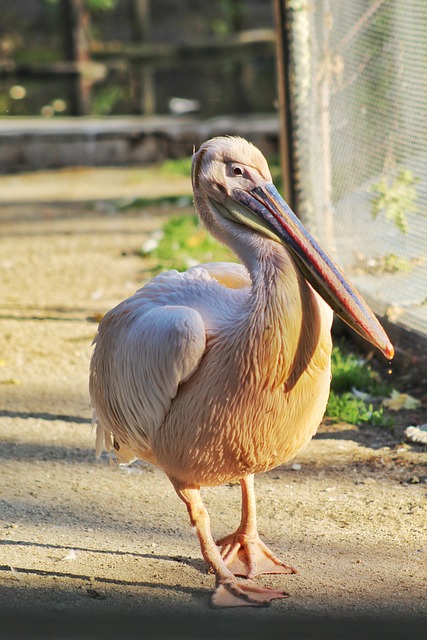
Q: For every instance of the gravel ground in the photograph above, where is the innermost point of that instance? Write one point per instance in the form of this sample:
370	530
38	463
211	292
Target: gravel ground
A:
87	543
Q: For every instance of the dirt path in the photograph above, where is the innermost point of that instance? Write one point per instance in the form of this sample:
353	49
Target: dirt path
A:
80	536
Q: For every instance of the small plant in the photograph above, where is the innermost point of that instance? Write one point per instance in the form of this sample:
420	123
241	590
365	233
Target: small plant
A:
395	198
353	380
348	408
350	372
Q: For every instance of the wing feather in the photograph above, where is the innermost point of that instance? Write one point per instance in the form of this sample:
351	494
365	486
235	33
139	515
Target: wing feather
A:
143	352
230	274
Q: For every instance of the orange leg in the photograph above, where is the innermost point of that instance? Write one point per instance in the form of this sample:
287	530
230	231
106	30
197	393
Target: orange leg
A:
243	551
229	592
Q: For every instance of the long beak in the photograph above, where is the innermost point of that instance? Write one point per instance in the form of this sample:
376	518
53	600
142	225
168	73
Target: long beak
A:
315	264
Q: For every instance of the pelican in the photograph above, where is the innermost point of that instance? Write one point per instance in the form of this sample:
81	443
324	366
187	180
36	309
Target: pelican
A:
223	371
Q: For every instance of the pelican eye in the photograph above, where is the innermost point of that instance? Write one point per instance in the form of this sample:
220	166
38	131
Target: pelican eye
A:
234	170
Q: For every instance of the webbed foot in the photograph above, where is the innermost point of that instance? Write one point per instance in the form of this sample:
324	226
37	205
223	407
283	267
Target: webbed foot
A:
247	555
244	593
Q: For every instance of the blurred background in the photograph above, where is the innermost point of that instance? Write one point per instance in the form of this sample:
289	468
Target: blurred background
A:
336	90
121	57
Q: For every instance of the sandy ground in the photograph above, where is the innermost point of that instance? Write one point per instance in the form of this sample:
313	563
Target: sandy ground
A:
84	540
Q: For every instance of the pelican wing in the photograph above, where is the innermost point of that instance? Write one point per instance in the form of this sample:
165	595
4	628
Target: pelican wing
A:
230	274
143	352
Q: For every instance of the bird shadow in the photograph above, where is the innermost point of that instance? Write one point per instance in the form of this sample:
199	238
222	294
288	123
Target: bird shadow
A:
43	573
195	563
371	437
43	415
20	573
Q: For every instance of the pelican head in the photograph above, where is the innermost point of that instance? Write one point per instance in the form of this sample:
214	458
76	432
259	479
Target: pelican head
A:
233	188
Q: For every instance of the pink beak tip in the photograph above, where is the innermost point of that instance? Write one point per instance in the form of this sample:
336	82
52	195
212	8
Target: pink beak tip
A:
389	351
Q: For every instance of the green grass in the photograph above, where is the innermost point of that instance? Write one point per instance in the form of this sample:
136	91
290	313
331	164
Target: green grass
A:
276	171
183	243
178	167
161	201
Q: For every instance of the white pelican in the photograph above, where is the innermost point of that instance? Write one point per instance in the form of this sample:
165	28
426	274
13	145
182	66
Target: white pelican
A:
223	371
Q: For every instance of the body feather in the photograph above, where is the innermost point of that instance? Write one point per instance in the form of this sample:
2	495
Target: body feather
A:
192	375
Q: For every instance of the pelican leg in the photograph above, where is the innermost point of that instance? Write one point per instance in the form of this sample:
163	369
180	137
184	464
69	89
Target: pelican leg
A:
229	592
243	552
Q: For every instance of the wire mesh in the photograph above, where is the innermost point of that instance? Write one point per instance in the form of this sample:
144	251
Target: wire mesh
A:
359	89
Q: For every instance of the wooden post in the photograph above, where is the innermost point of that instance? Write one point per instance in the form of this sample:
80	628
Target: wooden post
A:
143	74
141	10
284	95
75	20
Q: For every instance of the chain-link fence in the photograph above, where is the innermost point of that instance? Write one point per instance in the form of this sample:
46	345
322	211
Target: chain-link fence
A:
359	104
